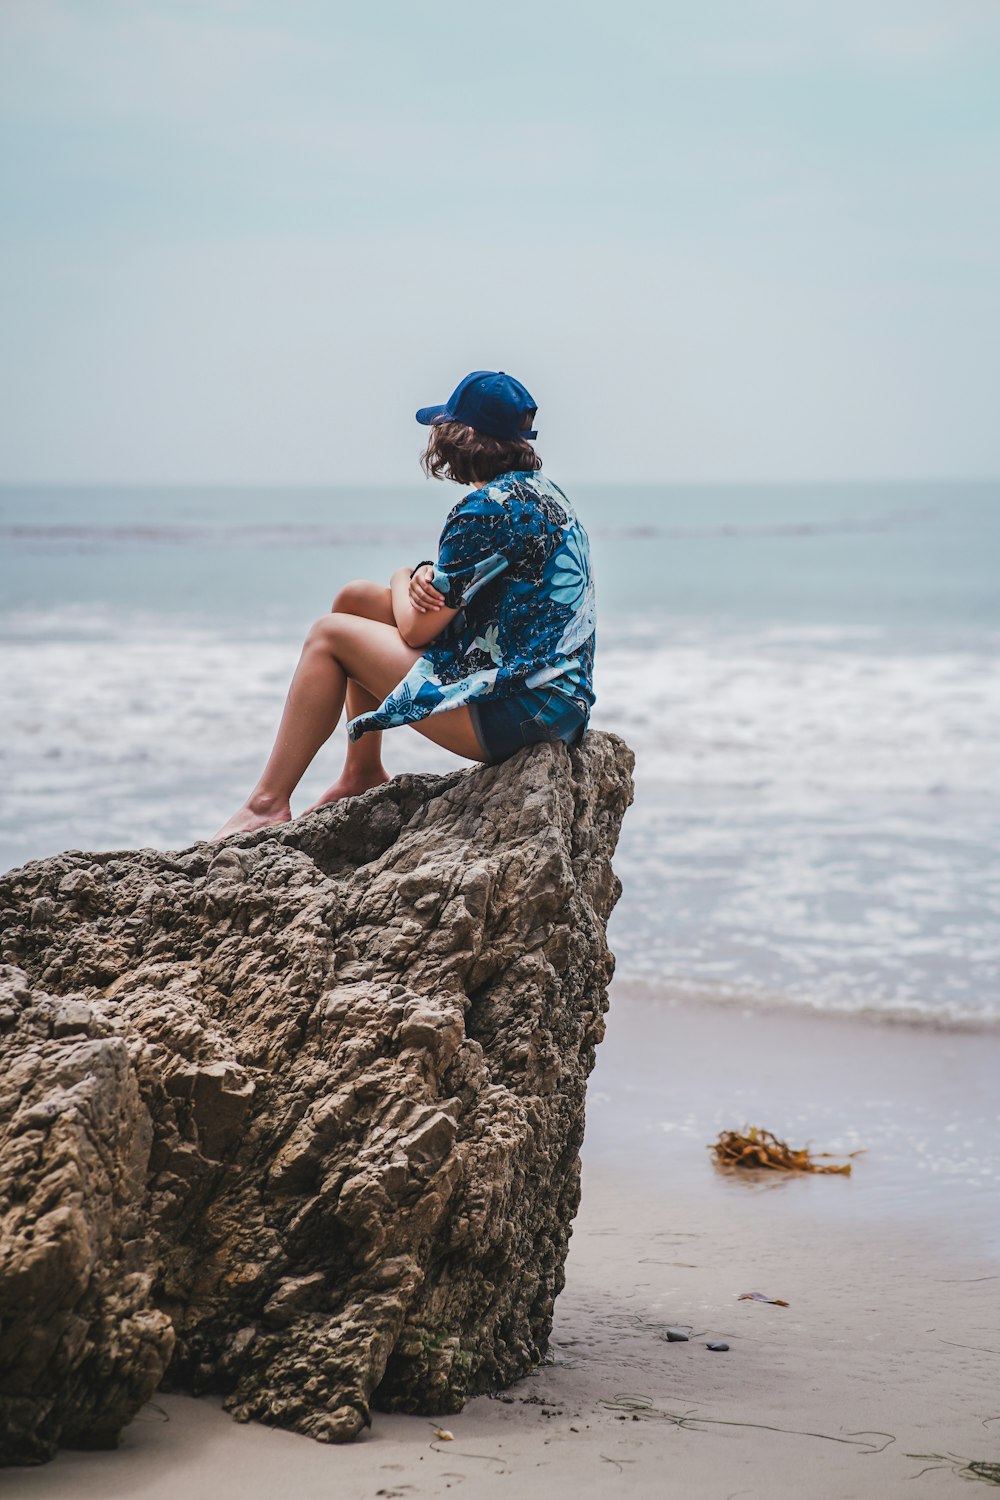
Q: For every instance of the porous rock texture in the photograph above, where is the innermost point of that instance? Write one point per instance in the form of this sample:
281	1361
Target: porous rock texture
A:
298	1117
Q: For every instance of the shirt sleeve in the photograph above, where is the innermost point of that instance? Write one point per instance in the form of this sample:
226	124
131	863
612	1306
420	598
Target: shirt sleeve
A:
478	543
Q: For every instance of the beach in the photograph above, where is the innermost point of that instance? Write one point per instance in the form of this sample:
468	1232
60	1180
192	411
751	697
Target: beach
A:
880	1377
807	941
426	1092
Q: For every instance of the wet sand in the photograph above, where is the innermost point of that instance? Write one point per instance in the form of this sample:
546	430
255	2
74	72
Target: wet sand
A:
882	1376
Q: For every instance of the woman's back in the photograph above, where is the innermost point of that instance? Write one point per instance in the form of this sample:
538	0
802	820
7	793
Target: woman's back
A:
514	560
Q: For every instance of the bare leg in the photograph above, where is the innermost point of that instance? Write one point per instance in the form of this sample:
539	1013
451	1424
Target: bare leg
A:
337	648
313	707
363	766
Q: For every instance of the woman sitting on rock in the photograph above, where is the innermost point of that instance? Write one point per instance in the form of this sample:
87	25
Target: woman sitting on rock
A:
484	651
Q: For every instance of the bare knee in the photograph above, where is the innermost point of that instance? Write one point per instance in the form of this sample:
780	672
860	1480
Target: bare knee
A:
363	597
323	633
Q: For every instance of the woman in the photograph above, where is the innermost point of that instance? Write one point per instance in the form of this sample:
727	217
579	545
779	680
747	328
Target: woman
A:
486	650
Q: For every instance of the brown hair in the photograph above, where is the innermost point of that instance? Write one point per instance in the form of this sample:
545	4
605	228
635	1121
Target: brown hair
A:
455	451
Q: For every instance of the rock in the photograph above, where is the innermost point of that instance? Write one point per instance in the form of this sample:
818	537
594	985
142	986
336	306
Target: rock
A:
719	1347
298	1119
675	1336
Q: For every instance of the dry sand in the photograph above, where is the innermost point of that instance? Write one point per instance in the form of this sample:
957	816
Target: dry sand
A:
882	1377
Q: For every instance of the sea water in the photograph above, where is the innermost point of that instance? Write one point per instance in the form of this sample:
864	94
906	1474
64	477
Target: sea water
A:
808	675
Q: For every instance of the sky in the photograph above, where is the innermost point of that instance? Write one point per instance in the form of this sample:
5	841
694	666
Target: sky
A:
718	240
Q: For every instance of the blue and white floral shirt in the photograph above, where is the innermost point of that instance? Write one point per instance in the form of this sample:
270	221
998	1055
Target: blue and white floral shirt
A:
514	560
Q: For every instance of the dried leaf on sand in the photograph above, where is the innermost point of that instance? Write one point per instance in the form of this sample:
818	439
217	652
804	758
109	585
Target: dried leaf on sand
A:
755	1147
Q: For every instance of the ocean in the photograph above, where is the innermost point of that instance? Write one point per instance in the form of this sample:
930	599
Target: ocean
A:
808	675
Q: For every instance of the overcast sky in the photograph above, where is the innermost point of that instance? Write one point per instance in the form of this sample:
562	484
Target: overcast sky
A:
717	239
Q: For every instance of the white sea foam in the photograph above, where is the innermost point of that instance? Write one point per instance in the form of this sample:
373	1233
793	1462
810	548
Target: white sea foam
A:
803	714
817	809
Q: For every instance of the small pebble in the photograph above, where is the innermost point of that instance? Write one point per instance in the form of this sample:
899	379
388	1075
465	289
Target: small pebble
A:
674	1336
719	1348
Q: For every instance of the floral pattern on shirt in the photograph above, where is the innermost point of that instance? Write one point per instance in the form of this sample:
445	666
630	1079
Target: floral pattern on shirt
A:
514	560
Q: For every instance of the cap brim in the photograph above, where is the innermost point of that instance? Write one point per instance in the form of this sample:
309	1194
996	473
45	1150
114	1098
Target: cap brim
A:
428	415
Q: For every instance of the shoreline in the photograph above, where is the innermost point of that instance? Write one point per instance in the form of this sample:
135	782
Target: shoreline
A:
891	1275
696	995
920	1103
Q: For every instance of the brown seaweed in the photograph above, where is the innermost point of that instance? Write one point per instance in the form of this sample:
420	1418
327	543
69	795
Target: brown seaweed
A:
755	1147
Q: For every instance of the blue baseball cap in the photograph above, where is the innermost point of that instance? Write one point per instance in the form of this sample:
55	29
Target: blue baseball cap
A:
489	401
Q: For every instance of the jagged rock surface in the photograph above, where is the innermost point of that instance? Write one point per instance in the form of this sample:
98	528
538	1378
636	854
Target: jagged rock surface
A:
297	1118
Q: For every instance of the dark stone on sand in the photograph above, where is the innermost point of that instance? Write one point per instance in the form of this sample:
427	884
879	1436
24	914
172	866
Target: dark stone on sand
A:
297	1119
674	1336
719	1348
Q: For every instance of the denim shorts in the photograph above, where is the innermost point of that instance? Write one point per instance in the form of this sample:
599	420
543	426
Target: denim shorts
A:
505	725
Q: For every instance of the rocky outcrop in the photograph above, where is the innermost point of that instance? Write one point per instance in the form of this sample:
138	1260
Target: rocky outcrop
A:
297	1118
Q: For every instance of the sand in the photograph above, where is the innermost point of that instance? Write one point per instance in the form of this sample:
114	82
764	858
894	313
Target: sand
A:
881	1378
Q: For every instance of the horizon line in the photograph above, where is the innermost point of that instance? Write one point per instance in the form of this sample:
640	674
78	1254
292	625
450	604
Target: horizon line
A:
336	484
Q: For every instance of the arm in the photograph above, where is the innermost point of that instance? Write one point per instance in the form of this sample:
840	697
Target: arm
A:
417	628
476	546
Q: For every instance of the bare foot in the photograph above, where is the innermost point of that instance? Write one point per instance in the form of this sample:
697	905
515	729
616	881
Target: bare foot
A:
258	812
350	786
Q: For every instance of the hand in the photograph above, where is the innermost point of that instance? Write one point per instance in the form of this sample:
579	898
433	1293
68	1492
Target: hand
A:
424	598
